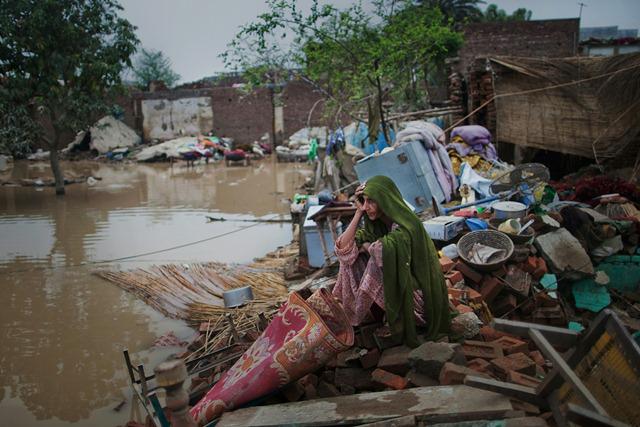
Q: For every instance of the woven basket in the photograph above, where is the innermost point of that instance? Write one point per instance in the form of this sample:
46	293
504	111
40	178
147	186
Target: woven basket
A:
493	238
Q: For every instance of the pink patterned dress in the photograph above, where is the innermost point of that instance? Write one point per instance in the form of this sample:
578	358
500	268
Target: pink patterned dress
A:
360	282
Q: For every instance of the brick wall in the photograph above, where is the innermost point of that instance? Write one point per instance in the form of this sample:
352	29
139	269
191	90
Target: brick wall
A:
243	117
298	98
548	38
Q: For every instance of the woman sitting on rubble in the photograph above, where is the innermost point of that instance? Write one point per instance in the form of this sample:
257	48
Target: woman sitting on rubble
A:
391	263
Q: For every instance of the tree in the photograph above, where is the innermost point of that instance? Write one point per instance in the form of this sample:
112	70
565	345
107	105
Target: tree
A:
494	14
153	65
460	11
60	60
356	59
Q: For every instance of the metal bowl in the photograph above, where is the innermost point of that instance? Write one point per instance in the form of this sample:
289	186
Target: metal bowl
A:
508	209
237	297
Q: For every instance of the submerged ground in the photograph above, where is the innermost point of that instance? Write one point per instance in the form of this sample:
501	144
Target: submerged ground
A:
63	329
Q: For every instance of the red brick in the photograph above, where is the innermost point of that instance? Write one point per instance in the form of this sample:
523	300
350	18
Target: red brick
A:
454	374
347	358
530	264
518	362
394	381
328	376
420	380
553	316
544	300
454	277
464	295
511	345
364	336
537	357
357	378
309	379
326	389
479	365
293	391
461	308
483	350
395	360
489	334
468	272
385	339
446	264
310	391
522	379
490	288
474	296
504	305
369	358
540	270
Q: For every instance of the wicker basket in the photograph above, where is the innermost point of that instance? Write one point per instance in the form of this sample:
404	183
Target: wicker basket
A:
519	239
493	238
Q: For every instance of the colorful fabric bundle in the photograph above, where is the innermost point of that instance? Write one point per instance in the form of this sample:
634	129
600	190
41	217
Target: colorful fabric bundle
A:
302	337
472	139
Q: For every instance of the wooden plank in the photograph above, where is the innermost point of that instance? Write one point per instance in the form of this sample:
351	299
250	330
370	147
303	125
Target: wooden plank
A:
443	402
408	421
527	394
559	337
553	380
560	365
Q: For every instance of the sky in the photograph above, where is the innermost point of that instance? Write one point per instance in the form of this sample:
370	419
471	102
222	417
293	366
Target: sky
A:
192	33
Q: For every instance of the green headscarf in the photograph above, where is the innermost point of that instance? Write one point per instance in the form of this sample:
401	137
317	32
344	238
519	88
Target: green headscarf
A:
409	263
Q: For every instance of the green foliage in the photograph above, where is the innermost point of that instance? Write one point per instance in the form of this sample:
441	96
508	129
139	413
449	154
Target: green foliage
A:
460	11
60	59
355	58
18	133
495	14
152	65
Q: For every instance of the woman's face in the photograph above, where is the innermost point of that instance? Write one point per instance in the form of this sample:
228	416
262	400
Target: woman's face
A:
371	208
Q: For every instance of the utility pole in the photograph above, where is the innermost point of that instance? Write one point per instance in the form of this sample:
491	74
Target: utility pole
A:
581	6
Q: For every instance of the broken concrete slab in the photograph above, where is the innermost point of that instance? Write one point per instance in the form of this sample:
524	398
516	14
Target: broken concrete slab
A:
444	403
564	254
430	357
109	133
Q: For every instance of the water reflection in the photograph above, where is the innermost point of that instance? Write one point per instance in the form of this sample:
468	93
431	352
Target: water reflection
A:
63	329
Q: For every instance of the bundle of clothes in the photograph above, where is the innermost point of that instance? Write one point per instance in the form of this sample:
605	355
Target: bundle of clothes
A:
471	144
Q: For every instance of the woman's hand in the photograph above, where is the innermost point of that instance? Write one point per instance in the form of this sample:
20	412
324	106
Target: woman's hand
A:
365	247
358	197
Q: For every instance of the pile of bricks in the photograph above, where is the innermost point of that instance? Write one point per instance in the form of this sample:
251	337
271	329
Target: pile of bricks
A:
375	363
512	291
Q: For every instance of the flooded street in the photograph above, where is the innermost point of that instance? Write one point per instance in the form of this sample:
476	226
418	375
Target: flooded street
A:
63	329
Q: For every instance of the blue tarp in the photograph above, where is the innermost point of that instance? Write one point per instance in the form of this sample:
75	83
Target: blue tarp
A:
359	139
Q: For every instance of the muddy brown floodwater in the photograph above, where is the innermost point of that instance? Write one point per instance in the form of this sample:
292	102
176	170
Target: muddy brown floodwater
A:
63	329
